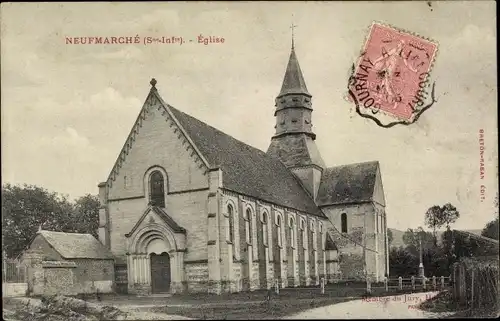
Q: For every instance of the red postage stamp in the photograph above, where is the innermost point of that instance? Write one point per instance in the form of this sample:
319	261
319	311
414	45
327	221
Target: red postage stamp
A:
392	72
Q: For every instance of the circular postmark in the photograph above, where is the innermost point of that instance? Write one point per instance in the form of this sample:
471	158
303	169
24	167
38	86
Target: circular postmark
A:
390	81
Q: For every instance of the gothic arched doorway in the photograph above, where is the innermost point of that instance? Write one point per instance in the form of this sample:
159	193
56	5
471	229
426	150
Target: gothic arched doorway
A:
160	273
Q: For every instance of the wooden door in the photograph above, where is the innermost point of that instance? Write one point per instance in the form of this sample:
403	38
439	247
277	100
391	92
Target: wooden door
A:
160	273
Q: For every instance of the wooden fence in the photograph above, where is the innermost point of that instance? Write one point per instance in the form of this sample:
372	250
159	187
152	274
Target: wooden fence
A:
396	285
476	285
413	283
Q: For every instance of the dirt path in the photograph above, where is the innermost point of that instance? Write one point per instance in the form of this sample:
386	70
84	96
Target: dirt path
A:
392	307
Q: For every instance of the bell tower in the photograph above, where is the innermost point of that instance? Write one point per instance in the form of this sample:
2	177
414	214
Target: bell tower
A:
293	142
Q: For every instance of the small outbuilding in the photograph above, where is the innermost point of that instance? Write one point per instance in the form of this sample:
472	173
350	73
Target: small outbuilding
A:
94	263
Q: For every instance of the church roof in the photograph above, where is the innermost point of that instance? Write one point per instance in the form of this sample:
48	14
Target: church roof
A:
246	169
295	151
353	183
293	82
76	245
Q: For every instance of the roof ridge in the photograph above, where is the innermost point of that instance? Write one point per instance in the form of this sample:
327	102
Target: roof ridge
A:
127	145
218	130
351	164
128	140
232	155
178	123
60	232
75	245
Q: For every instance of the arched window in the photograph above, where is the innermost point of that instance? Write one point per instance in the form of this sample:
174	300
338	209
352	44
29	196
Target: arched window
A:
303	227
156	189
314	239
248	225
230	215
321	236
343	219
292	233
264	229
278	231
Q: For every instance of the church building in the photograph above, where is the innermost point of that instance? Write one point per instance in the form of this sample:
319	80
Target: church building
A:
188	208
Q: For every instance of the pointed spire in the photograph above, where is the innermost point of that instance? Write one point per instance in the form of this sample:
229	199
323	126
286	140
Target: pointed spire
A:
293	82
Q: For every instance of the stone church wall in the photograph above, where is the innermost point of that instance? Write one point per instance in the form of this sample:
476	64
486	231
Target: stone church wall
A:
196	276
256	264
123	214
187	209
237	283
361	227
156	142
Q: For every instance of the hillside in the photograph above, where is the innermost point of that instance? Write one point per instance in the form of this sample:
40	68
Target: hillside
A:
398	236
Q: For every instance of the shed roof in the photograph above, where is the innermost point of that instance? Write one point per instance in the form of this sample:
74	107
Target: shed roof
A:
76	245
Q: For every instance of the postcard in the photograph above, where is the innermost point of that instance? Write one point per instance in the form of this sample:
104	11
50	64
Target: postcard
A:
266	160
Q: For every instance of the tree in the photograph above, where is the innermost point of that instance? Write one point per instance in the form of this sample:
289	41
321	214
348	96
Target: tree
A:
86	212
435	262
412	238
448	248
449	215
491	229
402	262
437	216
27	208
432	219
390	237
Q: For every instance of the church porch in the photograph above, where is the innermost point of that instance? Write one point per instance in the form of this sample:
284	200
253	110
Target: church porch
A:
155	258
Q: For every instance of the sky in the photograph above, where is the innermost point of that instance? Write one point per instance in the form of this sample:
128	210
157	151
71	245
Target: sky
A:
66	110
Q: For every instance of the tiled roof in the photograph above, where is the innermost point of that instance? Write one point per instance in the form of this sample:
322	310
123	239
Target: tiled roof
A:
76	245
352	183
295	151
293	82
247	170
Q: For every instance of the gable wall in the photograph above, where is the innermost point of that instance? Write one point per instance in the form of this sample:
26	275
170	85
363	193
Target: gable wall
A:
378	191
49	253
382	242
188	210
361	224
158	144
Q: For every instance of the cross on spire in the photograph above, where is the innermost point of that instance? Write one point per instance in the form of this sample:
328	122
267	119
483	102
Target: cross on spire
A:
293	27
